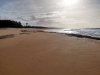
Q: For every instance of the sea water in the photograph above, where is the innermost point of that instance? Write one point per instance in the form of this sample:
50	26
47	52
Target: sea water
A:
92	32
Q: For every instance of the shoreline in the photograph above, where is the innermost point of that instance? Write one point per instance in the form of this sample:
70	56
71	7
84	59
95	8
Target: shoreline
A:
30	30
43	53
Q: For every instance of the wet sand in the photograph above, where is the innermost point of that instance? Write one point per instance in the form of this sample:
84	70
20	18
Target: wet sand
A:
42	53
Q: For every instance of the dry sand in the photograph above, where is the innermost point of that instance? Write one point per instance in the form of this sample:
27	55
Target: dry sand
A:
41	53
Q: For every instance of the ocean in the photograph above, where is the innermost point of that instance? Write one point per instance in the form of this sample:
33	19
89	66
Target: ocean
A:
92	33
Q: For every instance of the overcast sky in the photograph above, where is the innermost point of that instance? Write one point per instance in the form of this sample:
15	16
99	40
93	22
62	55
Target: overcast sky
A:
53	13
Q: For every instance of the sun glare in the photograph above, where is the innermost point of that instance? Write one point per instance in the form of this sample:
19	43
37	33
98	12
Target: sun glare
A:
68	3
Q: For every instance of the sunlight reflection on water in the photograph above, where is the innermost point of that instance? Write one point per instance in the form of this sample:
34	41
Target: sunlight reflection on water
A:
85	32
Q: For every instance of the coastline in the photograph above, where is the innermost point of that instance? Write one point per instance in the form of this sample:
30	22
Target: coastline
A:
42	53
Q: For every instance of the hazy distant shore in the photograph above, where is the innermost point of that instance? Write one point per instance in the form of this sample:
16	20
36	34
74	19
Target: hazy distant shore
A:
33	52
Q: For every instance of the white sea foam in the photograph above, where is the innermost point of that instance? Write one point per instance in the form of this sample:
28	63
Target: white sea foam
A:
93	32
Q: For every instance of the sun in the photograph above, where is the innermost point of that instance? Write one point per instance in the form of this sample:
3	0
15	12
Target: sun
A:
68	3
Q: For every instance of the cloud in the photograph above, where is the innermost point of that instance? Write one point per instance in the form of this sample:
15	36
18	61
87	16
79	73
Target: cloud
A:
48	13
27	18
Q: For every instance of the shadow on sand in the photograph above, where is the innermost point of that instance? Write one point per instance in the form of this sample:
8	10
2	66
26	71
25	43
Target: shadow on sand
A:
7	36
24	33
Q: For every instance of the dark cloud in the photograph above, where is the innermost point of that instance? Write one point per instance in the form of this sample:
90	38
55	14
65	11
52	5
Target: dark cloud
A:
29	18
3	2
23	19
33	18
92	3
47	22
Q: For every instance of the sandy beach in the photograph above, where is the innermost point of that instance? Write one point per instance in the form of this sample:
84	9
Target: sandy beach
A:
43	53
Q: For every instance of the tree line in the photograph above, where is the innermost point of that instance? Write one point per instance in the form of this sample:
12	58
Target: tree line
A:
16	24
10	24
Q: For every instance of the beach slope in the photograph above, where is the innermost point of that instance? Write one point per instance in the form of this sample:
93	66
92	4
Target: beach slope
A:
42	53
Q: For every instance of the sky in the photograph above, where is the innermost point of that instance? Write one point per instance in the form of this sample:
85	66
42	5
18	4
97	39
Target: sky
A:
53	13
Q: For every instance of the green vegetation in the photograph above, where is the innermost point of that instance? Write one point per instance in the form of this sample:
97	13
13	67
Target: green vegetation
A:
15	24
10	24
